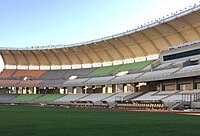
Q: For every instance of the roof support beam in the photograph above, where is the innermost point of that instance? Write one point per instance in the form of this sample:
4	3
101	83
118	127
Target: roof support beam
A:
46	57
139	45
27	62
75	54
159	33
178	33
86	54
151	41
60	62
17	63
127	47
107	53
96	52
61	51
117	50
35	57
190	25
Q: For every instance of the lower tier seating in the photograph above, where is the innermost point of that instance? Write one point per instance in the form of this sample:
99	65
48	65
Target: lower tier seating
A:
27	97
49	97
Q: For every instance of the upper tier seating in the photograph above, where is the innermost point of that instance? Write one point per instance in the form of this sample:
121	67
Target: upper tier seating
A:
29	83
133	66
96	80
187	69
65	74
7	97
54	74
124	78
70	97
178	63
51	83
79	72
111	70
49	97
164	66
158	73
7	73
8	83
28	73
102	71
27	97
75	81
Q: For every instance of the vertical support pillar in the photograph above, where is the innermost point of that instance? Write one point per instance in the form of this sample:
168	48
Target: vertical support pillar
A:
114	88
176	86
104	89
34	90
125	88
17	90
193	84
161	86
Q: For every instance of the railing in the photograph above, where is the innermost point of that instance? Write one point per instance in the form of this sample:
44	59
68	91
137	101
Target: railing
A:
174	104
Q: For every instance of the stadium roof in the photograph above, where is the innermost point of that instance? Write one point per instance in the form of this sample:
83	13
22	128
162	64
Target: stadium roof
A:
143	41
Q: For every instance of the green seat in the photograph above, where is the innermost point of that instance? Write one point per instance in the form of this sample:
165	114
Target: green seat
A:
49	97
133	66
27	97
102	71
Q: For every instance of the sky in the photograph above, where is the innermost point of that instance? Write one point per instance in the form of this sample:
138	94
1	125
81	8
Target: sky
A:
26	23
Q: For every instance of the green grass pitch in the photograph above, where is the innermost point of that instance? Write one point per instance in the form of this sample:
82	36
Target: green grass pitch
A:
40	121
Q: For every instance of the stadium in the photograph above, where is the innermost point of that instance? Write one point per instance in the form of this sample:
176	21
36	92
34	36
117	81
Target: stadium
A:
154	67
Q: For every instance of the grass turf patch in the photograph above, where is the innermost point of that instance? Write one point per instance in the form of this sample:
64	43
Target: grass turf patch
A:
40	121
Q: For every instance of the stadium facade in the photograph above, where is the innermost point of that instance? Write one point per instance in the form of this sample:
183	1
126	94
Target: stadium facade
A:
153	66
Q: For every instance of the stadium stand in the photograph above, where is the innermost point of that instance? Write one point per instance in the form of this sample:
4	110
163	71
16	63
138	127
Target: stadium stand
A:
28	73
53	74
7	73
75	82
6	83
120	96
126	78
7	97
29	83
188	69
133	66
103	71
84	72
95	98
99	80
49	97
142	84
69	98
27	97
150	96
51	83
159	73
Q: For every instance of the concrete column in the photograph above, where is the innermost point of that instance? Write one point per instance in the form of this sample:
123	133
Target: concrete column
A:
64	91
74	90
125	88
34	90
104	89
17	90
193	84
114	88
176	86
134	88
161	86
